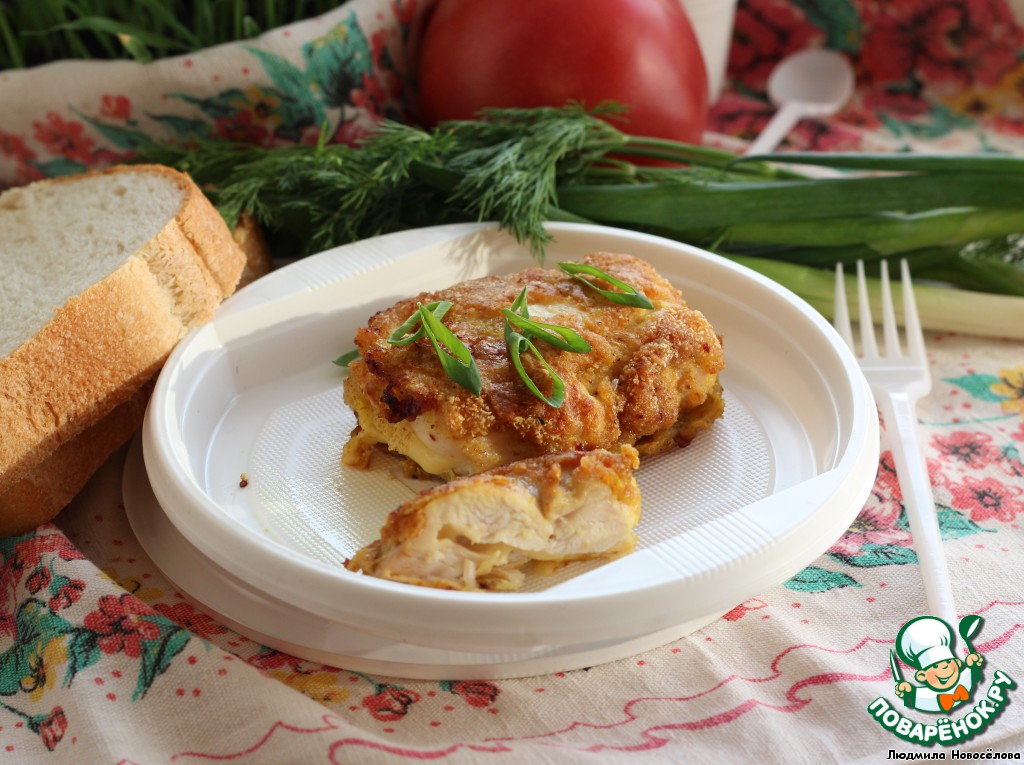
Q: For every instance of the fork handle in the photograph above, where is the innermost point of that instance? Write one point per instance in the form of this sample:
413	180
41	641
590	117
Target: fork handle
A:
901	422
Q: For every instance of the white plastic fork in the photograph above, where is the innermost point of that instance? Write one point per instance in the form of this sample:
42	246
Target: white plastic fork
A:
898	380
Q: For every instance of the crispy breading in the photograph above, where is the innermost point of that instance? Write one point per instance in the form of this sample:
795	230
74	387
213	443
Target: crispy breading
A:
650	379
482	531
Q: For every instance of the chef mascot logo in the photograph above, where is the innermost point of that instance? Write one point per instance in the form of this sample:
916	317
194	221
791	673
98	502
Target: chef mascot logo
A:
943	684
947	682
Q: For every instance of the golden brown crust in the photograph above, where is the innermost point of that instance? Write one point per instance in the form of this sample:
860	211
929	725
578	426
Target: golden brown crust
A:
645	371
104	344
55	482
545	474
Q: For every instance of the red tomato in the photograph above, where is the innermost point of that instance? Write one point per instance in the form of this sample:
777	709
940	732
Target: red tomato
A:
526	53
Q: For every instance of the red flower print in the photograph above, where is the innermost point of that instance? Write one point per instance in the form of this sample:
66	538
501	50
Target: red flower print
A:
856	115
351	132
887	483
28	556
816	135
735	614
741	610
310	135
39	579
993	40
68	594
763	34
379	45
887	53
878	521
106	157
739	117
15	147
271	659
24	174
120	625
1012	466
987	498
876	525
973	450
1009	125
259	107
191	619
50	727
116	107
64	138
242	127
391	703
371	97
477	693
937	473
904	105
30	552
938	41
404	11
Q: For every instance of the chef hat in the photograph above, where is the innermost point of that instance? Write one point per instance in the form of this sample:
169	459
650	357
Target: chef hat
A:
924	641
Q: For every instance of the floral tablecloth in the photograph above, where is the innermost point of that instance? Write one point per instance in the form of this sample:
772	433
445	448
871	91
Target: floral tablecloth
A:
102	661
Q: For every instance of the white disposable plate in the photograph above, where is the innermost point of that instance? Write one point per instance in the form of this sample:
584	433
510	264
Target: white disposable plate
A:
742	508
279	624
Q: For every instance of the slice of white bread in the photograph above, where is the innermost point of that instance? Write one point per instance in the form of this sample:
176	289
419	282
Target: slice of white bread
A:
102	274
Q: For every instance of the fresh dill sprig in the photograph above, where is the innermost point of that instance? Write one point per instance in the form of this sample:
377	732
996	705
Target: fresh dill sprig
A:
957	219
504	167
514	163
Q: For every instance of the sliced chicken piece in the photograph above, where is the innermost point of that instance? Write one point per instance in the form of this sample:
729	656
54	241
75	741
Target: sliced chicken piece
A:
481	531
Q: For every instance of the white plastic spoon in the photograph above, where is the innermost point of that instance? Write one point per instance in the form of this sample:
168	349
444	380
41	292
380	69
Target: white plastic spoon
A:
811	83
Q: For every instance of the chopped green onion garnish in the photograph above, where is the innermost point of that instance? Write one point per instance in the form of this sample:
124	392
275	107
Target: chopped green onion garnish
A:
552	334
519	305
455	358
402	336
630	295
515	342
347	358
560	337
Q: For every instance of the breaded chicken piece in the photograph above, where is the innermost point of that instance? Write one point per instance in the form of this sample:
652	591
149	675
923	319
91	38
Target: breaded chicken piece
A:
480	531
650	380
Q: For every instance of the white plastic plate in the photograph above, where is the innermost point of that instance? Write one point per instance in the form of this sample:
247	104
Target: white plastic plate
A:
746	505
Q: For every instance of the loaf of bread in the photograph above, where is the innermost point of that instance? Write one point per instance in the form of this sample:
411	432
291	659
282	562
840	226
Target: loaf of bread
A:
103	273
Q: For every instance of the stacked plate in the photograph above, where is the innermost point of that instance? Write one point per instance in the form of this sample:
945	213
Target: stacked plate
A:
745	506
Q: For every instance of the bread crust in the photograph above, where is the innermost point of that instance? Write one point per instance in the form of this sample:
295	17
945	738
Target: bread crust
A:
55	482
103	345
258	261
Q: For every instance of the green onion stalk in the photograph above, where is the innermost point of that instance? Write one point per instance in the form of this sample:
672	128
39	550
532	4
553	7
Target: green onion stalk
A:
521	331
957	219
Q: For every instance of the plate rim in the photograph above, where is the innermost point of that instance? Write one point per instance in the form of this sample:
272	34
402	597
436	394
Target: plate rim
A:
341	645
487	608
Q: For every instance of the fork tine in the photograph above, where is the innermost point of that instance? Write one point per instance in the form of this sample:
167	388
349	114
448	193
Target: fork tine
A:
889	331
867	328
911	321
841	312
